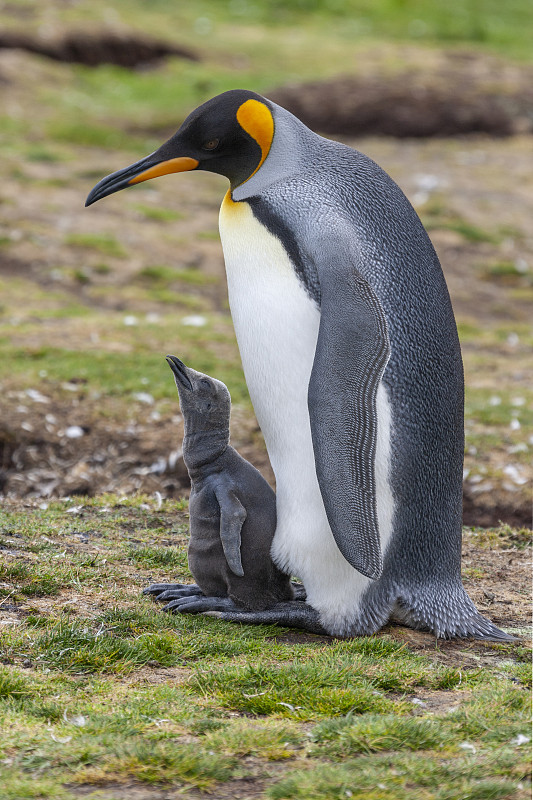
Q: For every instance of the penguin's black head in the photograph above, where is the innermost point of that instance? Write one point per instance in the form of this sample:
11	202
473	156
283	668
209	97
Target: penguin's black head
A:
205	402
230	134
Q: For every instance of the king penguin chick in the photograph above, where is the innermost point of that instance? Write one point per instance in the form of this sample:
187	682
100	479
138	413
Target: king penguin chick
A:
232	511
352	360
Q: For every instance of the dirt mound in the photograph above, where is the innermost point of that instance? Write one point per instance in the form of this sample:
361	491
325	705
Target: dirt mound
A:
460	94
481	514
92	49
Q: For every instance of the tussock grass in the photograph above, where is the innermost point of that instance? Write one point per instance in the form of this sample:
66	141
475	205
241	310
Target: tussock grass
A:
28	787
300	691
413	776
15	571
497	714
264	738
28	580
157	761
373	733
122	641
327	682
73	647
46	575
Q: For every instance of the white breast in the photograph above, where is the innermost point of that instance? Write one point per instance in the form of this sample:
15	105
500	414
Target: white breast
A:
276	323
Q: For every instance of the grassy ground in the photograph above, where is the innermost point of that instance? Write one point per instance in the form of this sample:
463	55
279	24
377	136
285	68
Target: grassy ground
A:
104	696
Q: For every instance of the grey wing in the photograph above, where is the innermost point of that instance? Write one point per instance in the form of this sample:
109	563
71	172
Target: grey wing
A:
351	354
232	517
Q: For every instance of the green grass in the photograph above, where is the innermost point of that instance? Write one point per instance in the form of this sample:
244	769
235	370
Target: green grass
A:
124	374
507	272
482	408
163	275
102	243
12	686
158	214
114	691
156	762
339	679
372	733
31	583
74	648
257	46
369	777
480	22
437	216
151	557
88	134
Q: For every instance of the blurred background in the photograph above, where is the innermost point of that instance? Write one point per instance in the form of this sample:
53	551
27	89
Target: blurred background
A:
440	94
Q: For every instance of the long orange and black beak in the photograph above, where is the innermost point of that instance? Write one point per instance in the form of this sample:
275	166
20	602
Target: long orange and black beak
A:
150	167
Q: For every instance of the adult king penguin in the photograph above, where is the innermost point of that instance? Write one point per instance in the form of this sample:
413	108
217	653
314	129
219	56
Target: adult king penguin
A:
351	356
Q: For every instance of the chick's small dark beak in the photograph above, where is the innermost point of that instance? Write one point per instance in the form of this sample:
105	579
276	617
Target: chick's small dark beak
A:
180	371
150	167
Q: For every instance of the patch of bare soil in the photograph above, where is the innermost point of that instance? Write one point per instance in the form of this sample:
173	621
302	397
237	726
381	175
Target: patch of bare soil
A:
458	653
129	790
50	456
246	788
124	49
43	453
499	583
154	674
461	93
494	509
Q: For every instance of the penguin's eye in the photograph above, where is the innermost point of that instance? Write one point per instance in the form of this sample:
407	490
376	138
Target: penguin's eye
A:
205	383
212	144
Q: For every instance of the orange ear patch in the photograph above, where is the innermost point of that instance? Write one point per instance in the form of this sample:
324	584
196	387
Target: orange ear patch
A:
256	119
165	168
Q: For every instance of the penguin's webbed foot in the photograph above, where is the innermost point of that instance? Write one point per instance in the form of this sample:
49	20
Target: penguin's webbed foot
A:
173	591
289	614
200	605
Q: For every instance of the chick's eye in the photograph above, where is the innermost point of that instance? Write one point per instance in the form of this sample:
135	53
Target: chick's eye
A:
212	144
